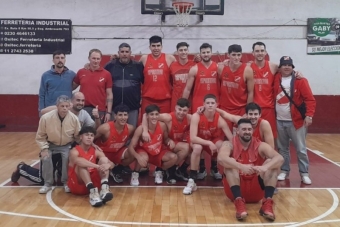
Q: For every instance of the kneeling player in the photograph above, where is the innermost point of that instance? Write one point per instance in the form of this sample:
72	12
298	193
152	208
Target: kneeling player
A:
84	174
250	168
154	152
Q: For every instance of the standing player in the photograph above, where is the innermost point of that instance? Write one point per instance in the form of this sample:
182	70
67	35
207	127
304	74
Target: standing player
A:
179	73
205	134
250	167
84	174
178	124
202	78
237	84
264	72
156	88
96	85
154	152
112	138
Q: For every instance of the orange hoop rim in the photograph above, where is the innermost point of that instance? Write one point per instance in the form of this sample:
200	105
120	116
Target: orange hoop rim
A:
182	5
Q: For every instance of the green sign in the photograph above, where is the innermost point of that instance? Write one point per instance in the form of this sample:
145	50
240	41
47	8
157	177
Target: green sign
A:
321	27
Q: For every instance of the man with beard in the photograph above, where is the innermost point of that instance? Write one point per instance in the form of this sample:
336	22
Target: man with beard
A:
55	82
77	105
179	73
157	88
112	137
251	169
206	134
237	84
96	84
178	124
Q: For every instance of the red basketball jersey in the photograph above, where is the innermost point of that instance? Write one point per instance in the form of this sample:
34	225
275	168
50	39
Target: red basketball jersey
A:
256	131
206	82
89	156
179	74
116	140
208	129
179	130
156	78
249	156
234	92
153	147
263	88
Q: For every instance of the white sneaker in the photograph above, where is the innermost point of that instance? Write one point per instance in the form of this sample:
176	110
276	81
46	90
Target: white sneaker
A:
44	189
215	175
134	179
105	193
306	180
282	176
95	198
191	187
67	189
158	177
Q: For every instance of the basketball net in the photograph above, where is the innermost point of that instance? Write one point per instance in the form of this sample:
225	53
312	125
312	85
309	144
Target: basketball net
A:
182	10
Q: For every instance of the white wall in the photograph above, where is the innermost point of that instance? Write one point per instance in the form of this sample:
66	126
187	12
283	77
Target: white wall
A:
104	24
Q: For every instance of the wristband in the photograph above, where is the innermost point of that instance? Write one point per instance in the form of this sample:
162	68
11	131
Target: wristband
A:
108	113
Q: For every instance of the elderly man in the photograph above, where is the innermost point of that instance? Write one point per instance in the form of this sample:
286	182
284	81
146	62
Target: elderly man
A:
56	132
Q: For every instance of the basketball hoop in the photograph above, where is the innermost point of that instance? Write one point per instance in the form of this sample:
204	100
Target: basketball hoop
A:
182	10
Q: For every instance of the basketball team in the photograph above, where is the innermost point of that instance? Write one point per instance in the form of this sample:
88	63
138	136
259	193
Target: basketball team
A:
169	113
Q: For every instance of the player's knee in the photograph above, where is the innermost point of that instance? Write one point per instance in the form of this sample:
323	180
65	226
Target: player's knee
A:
172	156
103	160
197	149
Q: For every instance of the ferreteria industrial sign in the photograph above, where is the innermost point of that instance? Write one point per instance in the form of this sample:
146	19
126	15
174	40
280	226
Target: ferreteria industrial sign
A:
323	36
35	36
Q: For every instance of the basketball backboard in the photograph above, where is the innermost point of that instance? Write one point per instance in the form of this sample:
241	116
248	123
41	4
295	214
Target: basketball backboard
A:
201	7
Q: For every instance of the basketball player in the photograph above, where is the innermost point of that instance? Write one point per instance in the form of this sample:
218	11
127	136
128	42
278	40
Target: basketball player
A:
84	174
179	73
205	134
112	138
264	73
154	152
237	84
261	127
178	123
202	78
251	169
156	88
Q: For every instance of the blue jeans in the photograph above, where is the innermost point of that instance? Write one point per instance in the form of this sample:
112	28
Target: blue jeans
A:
286	132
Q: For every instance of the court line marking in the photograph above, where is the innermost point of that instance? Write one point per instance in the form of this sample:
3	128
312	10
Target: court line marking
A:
36	216
9	179
55	207
328	212
321	156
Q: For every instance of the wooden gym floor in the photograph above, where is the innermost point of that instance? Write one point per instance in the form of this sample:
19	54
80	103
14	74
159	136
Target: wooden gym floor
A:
295	204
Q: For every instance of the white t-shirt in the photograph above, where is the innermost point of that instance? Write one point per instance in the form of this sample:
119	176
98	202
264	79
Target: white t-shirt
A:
85	119
282	102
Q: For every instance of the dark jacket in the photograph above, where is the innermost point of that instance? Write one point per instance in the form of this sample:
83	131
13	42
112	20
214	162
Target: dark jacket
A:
127	80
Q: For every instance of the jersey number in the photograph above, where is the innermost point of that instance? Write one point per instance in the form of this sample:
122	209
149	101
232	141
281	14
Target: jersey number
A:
154	78
208	87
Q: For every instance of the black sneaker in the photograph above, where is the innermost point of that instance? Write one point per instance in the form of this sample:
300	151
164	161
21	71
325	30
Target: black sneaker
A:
116	177
182	175
127	170
16	174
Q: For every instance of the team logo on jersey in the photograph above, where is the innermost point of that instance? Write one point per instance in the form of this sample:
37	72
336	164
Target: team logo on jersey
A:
101	79
160	65
113	138
213	73
265	74
124	138
175	127
150	65
226	75
237	79
159	137
83	75
202	124
202	73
